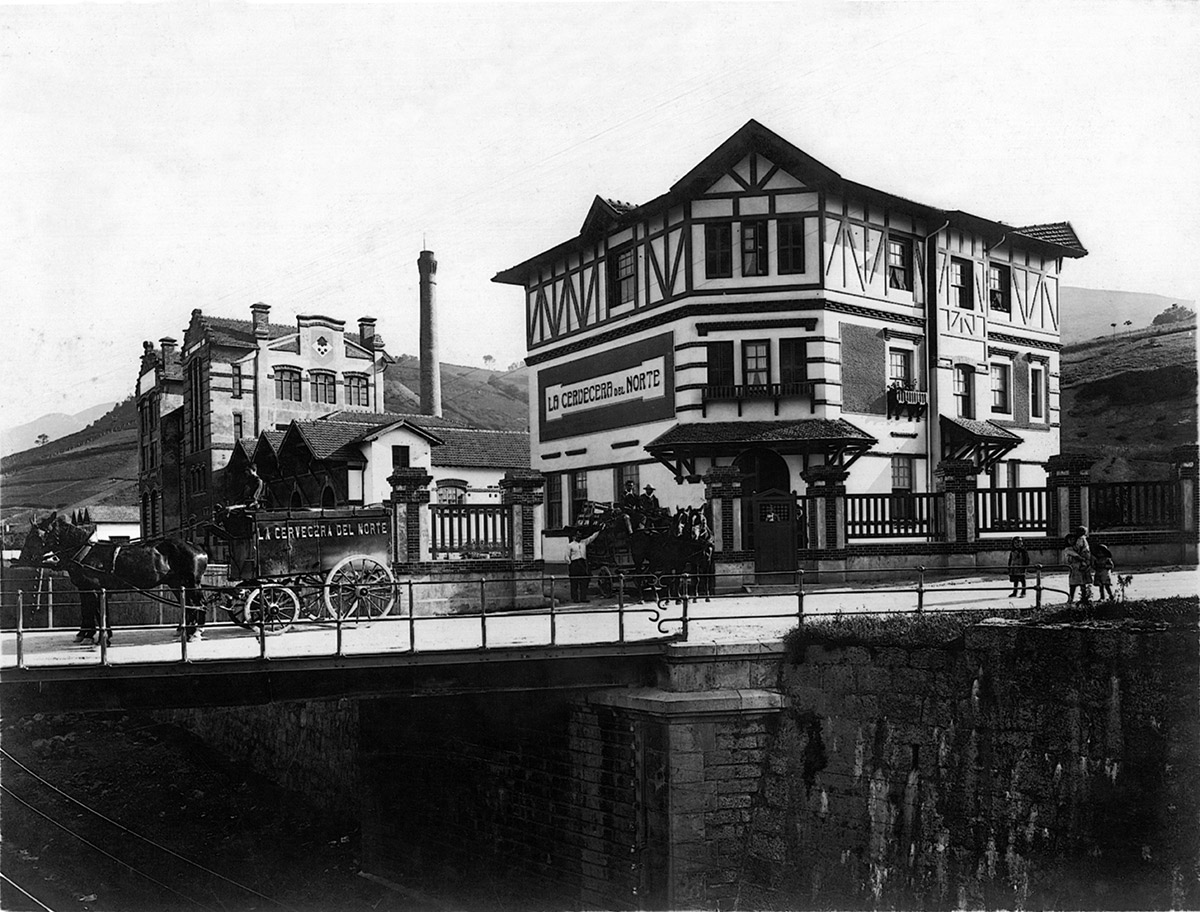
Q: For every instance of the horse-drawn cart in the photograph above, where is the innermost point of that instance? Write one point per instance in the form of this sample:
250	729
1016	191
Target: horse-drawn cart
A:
320	564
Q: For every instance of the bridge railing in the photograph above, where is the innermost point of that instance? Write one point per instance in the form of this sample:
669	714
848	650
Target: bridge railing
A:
470	531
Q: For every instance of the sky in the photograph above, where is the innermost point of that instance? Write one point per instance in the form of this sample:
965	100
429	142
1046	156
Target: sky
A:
163	157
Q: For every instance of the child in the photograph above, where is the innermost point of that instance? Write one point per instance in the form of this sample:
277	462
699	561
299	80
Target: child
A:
1102	564
1018	562
1079	567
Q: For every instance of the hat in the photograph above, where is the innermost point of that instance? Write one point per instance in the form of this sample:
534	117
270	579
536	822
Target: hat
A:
649	487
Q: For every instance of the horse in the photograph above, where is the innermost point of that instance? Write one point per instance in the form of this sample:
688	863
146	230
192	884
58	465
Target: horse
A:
61	545
673	553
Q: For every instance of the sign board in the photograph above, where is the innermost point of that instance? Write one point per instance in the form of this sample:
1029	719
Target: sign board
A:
622	386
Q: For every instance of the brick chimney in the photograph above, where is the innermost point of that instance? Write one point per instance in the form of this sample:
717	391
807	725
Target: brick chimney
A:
170	355
366	332
258	316
431	375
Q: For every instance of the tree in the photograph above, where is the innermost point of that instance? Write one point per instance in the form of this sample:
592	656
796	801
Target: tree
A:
516	365
43	439
488	361
1176	313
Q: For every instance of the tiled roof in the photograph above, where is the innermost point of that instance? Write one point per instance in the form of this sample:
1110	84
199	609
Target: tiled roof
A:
480	448
621	206
759	432
380	419
983	430
325	438
1059	233
240	333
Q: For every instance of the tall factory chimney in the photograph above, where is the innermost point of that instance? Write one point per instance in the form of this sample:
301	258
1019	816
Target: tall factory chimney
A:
431	373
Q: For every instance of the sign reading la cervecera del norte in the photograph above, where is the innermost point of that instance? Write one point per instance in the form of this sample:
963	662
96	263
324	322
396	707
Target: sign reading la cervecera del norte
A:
340	529
640	382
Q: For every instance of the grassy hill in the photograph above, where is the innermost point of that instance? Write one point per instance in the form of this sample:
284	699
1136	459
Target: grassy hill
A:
1129	398
1090	312
99	464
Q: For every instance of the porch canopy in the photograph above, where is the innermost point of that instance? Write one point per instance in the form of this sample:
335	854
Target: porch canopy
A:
979	441
840	442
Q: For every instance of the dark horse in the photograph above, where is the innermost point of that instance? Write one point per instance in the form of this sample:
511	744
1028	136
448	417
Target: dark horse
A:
61	545
682	548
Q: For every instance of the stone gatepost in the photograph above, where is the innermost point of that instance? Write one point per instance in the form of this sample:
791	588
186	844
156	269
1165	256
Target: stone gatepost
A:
957	479
521	491
410	518
827	516
1067	479
1187	476
723	491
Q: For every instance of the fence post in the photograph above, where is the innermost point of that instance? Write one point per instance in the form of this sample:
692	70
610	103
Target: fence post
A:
103	631
800	596
49	600
483	612
553	620
920	589
1067	483
412	618
957	482
620	607
1037	588
20	628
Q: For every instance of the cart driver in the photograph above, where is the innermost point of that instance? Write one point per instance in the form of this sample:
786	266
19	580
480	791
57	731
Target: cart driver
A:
631	508
648	504
252	491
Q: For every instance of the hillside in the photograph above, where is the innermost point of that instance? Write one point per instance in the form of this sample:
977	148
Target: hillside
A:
54	426
1129	398
99	464
1089	312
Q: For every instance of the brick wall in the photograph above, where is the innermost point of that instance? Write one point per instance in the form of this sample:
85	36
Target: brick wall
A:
864	369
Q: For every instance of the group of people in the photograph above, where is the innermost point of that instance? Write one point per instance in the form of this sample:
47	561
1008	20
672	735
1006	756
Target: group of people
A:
1087	562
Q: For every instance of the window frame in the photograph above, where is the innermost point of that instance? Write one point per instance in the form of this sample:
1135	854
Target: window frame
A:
235	381
789	240
323	382
964	390
288	379
962	279
1038	393
1003	369
765	357
626	471
718	250
793	360
908	360
401	456
754	248
722	369
356	386
554	500
900	263
239	426
620	280
578	490
1000	288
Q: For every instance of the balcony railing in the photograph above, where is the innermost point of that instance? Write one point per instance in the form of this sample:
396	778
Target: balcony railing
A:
902	399
741	392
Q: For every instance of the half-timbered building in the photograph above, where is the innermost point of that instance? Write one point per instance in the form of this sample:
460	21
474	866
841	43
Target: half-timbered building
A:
769	314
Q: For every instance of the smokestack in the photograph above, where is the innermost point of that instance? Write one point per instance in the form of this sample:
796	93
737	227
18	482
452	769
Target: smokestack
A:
431	375
258	316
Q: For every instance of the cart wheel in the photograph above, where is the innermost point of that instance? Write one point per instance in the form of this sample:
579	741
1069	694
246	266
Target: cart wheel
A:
312	598
359	587
606	581
272	605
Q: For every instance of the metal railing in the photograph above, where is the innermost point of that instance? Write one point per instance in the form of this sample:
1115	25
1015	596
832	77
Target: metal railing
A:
717	392
470	531
1133	505
1011	510
893	515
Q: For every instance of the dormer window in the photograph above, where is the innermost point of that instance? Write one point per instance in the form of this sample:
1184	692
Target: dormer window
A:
622	276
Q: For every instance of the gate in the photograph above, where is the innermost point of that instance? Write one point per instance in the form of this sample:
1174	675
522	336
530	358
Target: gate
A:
775	520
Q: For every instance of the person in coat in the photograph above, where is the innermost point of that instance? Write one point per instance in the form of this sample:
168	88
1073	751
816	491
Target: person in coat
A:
1078	558
1102	568
1018	565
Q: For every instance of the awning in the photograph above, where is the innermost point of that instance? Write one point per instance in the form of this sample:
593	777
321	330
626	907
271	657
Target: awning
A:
979	441
840	442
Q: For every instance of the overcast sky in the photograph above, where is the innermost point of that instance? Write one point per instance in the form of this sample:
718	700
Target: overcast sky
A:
159	158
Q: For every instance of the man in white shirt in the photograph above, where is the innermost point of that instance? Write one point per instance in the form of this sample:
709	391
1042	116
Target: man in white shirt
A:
577	565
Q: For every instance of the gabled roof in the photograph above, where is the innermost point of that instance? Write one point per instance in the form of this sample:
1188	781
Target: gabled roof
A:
482	448
378	419
754	137
756	433
325	439
234	333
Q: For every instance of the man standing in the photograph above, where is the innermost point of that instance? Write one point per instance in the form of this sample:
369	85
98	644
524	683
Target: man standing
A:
577	565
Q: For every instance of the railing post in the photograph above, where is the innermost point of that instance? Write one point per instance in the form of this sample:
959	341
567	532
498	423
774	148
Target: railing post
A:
483	612
920	589
337	626
20	628
49	600
799	596
183	650
684	627
412	618
620	607
103	631
1037	587
553	619
261	627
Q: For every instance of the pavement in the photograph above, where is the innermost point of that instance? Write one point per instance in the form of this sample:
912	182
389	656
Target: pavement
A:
726	619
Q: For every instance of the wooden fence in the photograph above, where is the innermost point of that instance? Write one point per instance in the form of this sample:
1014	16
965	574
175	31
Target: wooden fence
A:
1011	510
470	531
893	515
1133	505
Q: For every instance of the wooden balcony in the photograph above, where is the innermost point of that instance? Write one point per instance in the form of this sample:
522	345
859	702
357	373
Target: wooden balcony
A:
743	392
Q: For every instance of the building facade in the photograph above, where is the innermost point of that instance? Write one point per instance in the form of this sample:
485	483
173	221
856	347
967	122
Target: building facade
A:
768	315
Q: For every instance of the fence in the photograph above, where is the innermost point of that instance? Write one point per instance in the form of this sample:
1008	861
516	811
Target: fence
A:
1011	510
893	515
1133	505
470	531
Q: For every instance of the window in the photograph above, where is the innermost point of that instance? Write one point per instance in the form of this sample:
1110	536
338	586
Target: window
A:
903	506
154	513
999	289
1001	388
194	399
960	284
754	248
578	492
354	485
900	366
756	363
400	456
720	364
324	387
623	474
239	430
622	276
358	392
554	502
1037	391
236	380
791	246
718	250
287	384
793	361
899	262
964	390
452	492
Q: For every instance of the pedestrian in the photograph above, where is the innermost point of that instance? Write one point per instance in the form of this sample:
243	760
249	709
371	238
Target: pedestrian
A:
1078	557
1018	564
577	564
1102	568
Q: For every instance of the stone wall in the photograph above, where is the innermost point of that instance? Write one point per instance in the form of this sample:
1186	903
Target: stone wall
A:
1020	767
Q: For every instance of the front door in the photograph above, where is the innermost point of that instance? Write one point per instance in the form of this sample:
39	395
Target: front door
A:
775	544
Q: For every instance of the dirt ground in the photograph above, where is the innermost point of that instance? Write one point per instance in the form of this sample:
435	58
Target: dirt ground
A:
263	848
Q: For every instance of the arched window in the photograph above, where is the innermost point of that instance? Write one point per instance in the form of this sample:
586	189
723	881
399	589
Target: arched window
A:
154	513
287	384
451	491
324	387
358	390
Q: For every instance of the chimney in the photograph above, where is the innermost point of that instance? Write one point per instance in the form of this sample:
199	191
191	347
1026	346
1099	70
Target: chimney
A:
258	315
148	360
366	332
169	356
431	377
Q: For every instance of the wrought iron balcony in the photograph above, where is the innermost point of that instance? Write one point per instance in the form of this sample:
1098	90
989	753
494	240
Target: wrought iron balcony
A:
903	399
741	392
